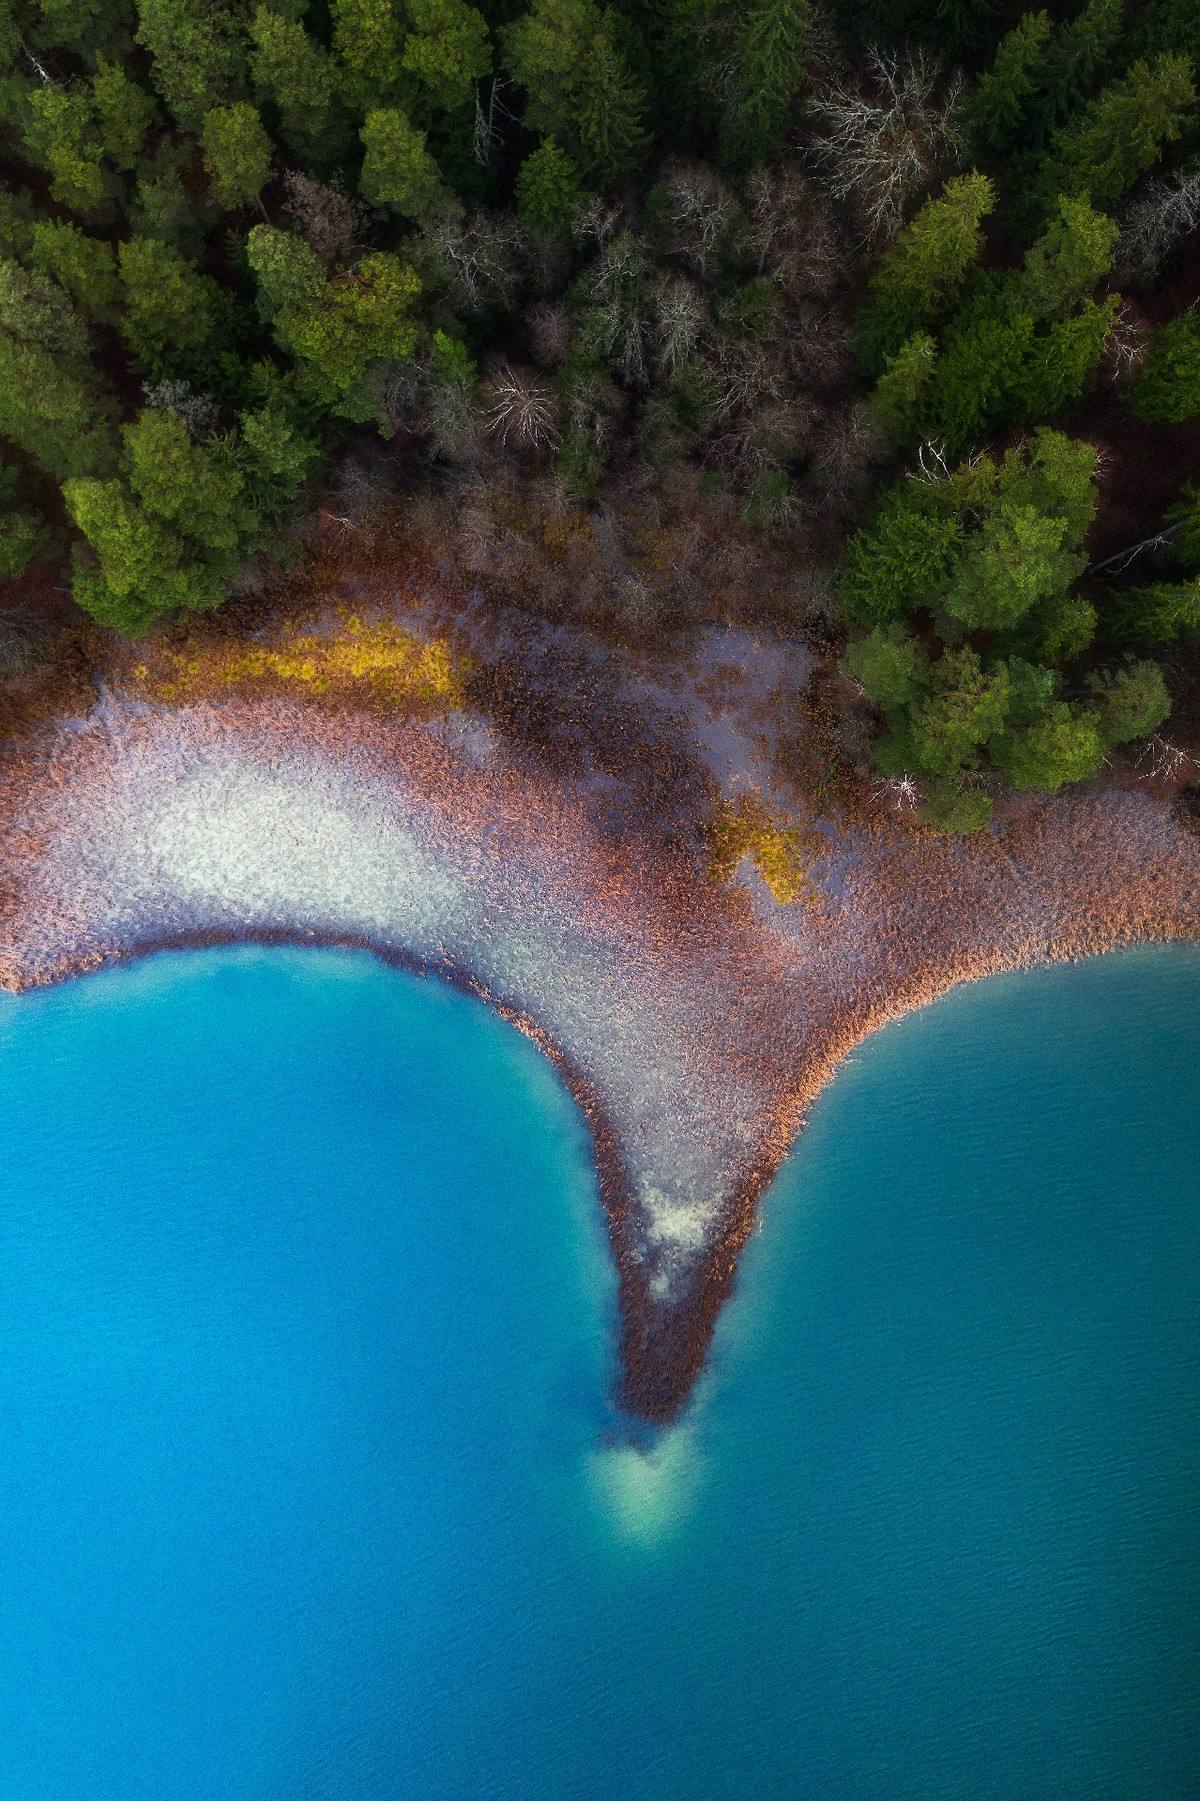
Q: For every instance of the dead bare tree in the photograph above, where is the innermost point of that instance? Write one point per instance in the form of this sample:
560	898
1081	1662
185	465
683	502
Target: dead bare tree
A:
680	319
487	134
199	412
330	218
597	221
1157	220
1127	343
1165	762
844	450
797	241
549	332
617	288
519	409
882	136
479	255
699	207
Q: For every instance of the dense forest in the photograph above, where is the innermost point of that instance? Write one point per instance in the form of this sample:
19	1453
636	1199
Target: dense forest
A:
881	319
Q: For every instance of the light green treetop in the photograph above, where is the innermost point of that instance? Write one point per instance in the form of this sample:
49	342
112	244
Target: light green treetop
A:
548	190
167	305
1168	386
397	169
546	51
888	665
84	267
447	48
289	273
932	256
1066	262
124	112
293	71
62	135
357	319
197	51
237	154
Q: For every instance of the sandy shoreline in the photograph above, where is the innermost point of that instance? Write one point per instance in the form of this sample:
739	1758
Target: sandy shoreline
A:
692	1024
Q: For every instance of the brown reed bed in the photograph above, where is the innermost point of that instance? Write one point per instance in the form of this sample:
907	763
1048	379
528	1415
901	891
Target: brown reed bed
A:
695	1017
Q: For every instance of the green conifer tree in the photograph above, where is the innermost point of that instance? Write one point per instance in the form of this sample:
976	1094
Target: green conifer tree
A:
168	306
237	154
397	169
1121	133
355	320
1156	613
1133	700
447	49
546	51
611	114
769	64
52	405
368	36
996	111
920	276
63	136
1076	61
1066	262
289	274
293	72
198	54
1168	385
548	191
124	113
1066	746
84	267
898	392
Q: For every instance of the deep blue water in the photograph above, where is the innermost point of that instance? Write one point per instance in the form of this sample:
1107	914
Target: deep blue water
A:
305	1339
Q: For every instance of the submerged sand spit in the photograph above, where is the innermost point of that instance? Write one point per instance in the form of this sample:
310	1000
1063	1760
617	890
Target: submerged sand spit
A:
692	1023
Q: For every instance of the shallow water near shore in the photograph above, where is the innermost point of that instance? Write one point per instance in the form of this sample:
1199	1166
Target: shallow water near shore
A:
309	1483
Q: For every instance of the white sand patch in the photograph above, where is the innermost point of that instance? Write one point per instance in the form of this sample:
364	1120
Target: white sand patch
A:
190	826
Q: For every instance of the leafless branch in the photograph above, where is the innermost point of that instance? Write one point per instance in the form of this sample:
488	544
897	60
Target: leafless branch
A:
882	136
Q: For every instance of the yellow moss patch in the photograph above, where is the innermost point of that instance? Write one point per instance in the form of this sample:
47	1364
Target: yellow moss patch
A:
781	853
352	663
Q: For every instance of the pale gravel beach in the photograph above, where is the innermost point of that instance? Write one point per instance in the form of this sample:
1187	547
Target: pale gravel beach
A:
694	1023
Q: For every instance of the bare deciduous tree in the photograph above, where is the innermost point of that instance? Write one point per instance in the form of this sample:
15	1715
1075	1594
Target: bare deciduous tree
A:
845	449
763	422
1157	220
617	289
797	241
400	390
598	221
330	219
680	318
883	136
1127	343
451	422
520	409
199	412
1166	762
549	332
478	256
698	211
488	133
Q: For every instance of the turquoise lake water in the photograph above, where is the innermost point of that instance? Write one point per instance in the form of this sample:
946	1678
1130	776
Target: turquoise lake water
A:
307	1483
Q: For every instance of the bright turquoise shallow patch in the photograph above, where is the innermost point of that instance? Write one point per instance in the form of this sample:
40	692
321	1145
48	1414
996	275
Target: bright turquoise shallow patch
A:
305	1324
